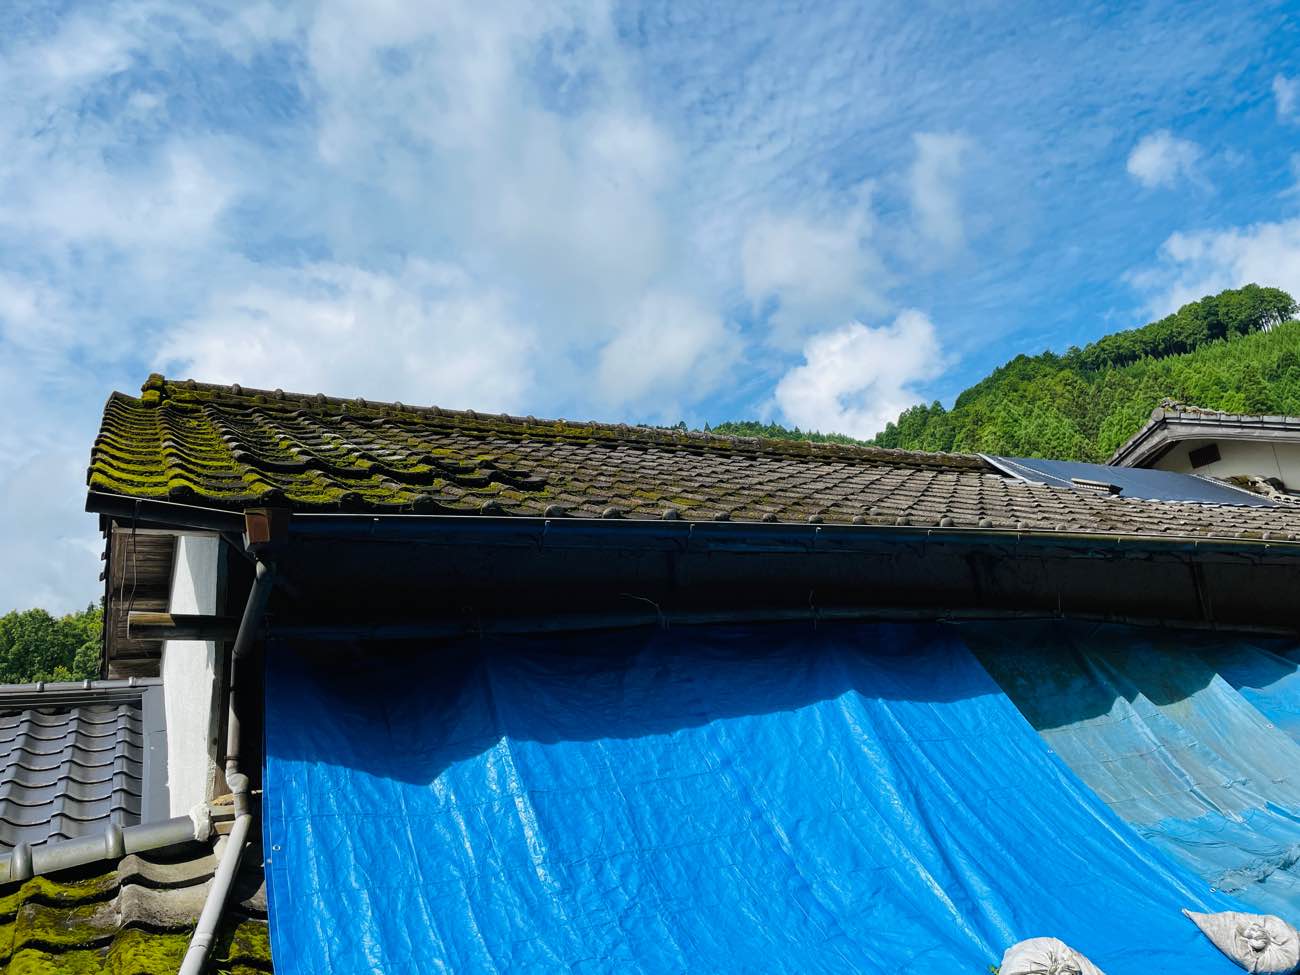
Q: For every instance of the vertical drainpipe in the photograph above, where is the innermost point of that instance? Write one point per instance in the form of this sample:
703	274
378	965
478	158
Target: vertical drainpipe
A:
205	931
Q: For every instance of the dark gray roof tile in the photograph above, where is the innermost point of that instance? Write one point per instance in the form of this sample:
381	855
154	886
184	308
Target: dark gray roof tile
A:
73	766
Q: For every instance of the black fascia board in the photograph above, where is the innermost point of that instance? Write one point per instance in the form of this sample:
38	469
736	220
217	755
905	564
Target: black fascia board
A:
669	535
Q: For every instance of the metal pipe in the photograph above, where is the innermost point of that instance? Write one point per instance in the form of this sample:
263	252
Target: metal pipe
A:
577	622
753	537
25	862
165	514
205	932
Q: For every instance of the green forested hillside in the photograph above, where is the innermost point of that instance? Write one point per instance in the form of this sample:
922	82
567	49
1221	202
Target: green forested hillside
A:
36	646
1238	351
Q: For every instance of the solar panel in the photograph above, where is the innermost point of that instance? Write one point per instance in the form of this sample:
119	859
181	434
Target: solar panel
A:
1128	482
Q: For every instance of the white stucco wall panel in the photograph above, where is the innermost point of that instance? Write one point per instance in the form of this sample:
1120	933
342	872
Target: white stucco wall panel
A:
1261	458
191	672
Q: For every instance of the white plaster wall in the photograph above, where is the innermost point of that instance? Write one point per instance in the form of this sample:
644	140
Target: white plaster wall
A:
1262	458
191	672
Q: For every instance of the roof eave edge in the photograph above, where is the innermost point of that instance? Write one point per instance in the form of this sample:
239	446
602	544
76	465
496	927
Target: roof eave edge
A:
359	526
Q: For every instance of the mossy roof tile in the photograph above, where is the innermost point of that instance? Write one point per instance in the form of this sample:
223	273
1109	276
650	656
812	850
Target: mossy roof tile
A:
134	917
232	447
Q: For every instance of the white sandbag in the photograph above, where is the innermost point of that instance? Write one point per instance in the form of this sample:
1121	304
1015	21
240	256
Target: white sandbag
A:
1045	956
1261	943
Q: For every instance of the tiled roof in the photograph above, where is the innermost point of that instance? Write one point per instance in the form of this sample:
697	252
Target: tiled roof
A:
228	447
134	917
72	760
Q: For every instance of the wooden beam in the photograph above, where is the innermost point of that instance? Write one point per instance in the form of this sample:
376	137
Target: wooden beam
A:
177	626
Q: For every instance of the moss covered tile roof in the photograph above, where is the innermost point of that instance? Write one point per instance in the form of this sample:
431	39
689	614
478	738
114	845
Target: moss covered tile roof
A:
231	447
134	917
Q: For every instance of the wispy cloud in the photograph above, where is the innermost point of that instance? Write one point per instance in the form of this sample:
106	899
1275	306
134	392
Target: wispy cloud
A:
671	350
934	187
1286	91
814	269
1161	159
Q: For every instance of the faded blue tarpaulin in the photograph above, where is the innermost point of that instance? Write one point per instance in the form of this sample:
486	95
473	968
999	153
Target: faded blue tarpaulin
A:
1148	721
743	799
1265	673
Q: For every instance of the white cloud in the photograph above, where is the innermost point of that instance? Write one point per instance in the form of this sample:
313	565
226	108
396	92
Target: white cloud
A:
671	349
1161	159
1287	93
1294	188
32	315
51	547
816	269
934	183
1192	265
427	334
562	190
83	50
855	379
173	201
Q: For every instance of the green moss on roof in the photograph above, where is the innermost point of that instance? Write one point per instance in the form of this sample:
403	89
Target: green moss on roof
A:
244	946
225	446
73	924
43	890
229	447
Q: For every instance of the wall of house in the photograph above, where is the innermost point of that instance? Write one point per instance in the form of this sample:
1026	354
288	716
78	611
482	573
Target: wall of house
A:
1262	458
192	677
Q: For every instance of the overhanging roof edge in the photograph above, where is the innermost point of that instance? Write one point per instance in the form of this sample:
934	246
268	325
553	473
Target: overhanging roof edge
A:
489	529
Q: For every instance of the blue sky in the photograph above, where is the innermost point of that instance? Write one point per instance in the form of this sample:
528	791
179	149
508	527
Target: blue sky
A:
814	213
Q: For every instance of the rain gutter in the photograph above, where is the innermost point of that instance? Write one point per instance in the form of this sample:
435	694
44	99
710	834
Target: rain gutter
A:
673	534
683	535
441	628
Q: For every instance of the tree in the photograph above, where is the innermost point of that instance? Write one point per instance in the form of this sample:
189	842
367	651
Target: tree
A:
35	646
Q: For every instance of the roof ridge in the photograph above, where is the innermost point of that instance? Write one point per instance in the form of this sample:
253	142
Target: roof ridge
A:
158	388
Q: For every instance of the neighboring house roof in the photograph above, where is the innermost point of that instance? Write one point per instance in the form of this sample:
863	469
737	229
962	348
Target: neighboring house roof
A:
232	448
75	760
1172	422
77	757
132	917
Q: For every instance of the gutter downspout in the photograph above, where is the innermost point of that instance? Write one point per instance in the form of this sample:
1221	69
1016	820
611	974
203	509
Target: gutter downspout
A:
205	931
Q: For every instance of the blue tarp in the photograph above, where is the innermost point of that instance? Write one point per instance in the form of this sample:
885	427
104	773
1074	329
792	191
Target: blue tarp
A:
743	799
1266	674
1148	721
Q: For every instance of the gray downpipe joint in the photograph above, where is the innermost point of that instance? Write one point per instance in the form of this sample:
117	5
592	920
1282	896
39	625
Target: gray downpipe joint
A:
205	931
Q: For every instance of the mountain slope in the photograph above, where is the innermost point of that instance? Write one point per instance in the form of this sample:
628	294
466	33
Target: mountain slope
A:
1238	351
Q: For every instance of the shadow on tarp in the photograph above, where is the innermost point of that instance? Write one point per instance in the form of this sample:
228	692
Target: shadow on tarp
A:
618	684
1148	721
732	799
